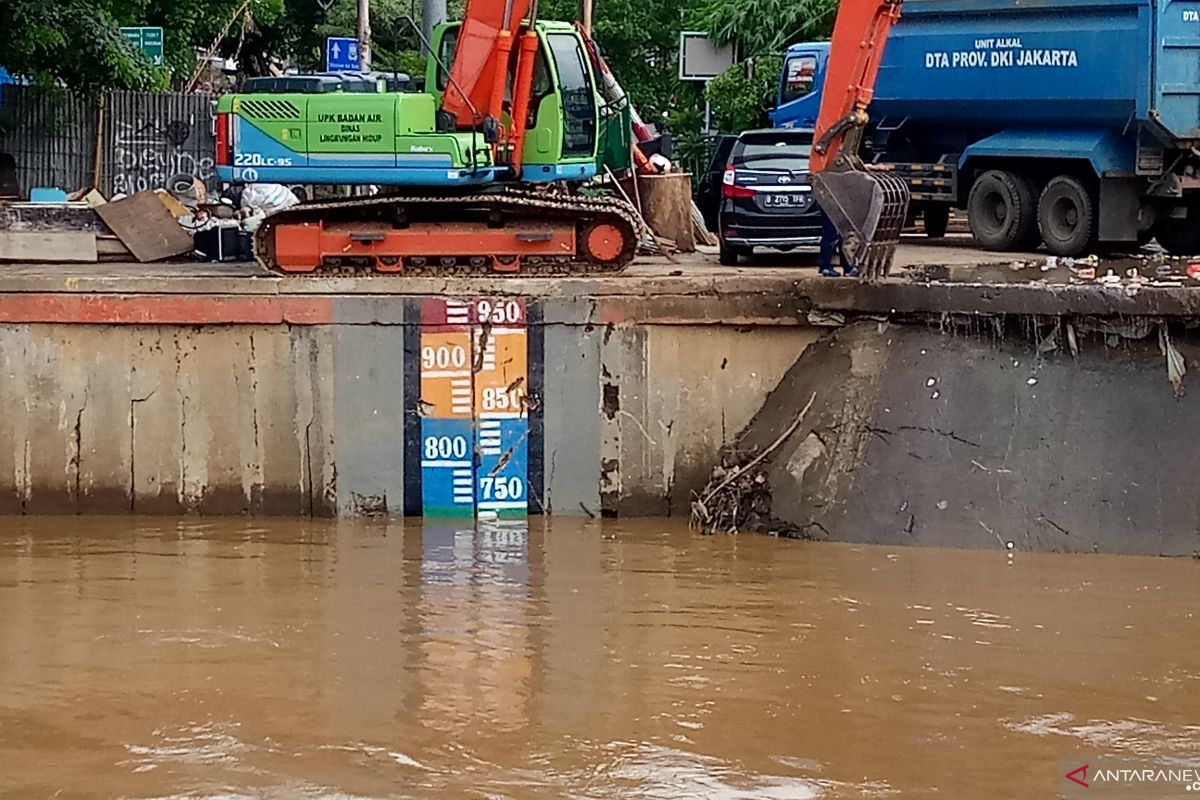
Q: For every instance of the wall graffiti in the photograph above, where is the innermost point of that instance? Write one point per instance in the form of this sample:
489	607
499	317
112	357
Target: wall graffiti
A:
151	138
148	153
144	139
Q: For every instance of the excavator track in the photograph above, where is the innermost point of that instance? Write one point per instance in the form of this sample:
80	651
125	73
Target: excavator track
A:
492	233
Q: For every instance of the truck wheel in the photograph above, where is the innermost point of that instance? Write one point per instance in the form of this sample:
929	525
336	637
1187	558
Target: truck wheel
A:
1067	216
936	220
1180	237
1002	211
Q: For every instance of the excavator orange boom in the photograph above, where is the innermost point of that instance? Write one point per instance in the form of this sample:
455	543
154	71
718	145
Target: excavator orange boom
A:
481	59
867	207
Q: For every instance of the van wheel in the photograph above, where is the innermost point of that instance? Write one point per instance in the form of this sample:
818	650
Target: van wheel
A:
936	220
730	255
1002	211
1180	237
1067	216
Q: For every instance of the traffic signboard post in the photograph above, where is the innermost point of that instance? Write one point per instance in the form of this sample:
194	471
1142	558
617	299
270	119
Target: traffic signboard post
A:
149	40
341	54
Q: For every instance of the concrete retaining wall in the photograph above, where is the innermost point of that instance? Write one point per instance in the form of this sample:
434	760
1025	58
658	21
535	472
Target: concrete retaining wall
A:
195	393
970	439
291	418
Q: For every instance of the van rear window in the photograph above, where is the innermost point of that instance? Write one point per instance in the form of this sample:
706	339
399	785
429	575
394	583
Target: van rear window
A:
779	154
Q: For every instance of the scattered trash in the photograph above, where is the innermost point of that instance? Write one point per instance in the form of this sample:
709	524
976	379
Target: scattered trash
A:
188	190
1051	263
1176	366
47	194
1050	343
1086	274
942	505
267	198
1163	269
935	395
827	319
1032	381
738	496
1193	270
1110	279
931	382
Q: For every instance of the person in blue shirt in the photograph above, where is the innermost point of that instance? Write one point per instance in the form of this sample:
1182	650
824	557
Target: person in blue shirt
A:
831	242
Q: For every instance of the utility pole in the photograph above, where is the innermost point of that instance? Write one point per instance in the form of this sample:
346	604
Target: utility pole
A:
364	34
433	12
585	16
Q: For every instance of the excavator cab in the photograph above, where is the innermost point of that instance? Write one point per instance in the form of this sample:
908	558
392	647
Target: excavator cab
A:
560	132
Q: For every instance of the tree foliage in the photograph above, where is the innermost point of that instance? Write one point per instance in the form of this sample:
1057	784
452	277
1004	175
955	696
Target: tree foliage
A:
764	27
78	42
742	94
74	41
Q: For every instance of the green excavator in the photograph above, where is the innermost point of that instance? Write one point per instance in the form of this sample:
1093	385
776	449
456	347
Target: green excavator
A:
480	172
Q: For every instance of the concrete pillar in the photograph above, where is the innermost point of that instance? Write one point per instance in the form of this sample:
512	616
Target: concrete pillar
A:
433	12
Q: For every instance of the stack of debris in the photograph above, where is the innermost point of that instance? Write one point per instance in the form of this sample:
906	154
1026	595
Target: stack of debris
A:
84	227
738	495
152	225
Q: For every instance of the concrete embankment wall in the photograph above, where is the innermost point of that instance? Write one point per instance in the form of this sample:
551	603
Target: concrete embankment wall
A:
972	438
174	395
312	404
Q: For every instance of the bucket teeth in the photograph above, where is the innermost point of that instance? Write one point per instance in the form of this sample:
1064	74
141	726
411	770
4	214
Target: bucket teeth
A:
869	209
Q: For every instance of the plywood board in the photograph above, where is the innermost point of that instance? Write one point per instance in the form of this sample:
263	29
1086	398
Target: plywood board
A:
111	246
75	246
146	227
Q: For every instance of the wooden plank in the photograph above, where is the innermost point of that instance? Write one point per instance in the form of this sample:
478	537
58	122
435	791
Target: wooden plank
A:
49	217
112	246
74	246
146	227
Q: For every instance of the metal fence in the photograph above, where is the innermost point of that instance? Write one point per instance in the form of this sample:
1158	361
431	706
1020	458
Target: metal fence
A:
150	138
51	136
118	142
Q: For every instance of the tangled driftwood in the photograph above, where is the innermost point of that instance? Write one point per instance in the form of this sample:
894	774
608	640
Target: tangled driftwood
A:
738	496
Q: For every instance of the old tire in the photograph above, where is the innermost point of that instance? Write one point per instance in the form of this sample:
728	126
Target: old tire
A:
935	220
1067	216
1002	211
1180	237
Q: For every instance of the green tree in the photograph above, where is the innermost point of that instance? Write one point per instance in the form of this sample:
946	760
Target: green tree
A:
764	27
191	26
74	41
742	94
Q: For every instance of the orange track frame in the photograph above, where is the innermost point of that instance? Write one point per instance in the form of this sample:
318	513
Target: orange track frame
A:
303	247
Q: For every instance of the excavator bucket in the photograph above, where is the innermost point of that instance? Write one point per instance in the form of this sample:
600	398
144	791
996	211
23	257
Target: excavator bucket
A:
869	209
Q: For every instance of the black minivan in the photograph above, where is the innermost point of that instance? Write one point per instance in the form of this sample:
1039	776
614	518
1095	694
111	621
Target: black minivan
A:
766	198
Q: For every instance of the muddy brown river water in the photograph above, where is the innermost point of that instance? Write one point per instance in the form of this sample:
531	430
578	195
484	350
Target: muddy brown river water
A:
236	659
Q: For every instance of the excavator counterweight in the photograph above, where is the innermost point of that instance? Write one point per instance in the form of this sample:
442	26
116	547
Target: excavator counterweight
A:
868	207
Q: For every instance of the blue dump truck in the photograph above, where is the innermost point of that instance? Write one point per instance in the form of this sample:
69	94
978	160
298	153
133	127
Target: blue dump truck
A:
1070	122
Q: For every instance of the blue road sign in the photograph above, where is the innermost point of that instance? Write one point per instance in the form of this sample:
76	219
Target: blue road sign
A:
341	54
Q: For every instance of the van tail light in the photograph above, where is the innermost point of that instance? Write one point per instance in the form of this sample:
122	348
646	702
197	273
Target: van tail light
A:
730	189
224	155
